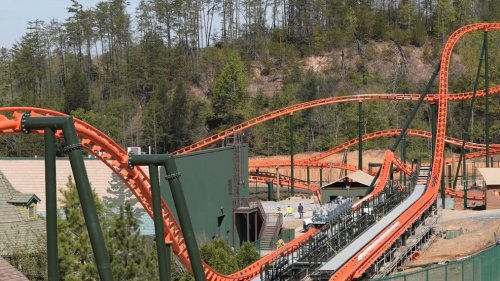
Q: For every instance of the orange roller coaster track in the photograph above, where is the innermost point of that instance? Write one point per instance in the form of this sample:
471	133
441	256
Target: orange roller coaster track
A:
116	158
357	265
111	154
321	102
314	160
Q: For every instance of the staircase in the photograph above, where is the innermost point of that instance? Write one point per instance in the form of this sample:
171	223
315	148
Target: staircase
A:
271	230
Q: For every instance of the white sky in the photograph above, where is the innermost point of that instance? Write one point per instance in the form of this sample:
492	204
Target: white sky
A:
15	14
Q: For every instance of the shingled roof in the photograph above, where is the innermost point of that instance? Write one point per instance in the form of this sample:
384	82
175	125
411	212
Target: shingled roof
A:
8	272
16	230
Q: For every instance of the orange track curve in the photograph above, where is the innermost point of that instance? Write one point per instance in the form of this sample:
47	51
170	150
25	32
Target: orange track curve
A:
370	136
356	266
321	102
110	153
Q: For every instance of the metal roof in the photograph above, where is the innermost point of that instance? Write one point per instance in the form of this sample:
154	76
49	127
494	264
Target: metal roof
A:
490	175
358	176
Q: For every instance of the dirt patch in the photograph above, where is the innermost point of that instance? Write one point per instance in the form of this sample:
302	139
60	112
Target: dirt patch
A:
478	234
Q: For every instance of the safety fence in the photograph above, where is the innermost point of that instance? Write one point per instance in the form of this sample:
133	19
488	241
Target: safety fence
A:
481	267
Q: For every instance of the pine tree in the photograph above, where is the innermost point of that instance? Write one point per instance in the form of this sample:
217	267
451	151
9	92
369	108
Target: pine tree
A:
76	259
127	246
229	95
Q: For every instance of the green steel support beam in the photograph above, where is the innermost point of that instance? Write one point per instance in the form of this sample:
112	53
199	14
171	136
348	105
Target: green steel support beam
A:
320	177
172	177
403	155
468	118
486	101
184	218
464	173
291	156
443	187
168	251
410	117
308	179
51	197
416	107
270	190
360	136
73	148
161	250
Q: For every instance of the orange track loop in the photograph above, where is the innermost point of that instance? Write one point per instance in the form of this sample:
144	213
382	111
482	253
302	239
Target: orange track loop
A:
355	267
321	102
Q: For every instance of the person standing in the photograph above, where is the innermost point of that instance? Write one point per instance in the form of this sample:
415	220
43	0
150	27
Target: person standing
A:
289	211
301	210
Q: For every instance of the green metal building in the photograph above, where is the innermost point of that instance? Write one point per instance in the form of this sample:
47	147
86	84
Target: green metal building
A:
215	183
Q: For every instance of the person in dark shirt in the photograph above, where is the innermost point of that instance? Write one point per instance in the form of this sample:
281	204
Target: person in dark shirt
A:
301	210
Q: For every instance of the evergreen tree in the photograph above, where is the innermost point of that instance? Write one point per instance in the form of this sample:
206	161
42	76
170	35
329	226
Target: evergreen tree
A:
219	256
76	259
246	255
77	90
229	95
127	246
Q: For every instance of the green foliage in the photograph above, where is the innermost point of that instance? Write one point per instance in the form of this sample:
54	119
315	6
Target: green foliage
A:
127	246
29	258
76	259
77	91
246	255
229	94
219	256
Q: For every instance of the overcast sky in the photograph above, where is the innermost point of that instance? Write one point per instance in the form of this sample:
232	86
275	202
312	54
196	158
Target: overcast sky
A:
15	14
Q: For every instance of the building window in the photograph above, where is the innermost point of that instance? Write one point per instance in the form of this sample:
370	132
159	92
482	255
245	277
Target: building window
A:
31	212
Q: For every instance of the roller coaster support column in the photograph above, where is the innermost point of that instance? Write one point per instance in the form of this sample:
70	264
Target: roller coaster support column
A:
308	179
270	191
50	194
320	177
486	101
415	108
278	184
161	249
468	118
360	136
464	173
443	187
410	117
403	157
73	148
291	156
184	218
433	128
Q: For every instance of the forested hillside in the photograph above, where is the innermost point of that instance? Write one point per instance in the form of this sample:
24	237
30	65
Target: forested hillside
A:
176	71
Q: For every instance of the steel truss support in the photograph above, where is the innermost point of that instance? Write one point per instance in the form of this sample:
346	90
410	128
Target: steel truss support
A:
73	148
172	176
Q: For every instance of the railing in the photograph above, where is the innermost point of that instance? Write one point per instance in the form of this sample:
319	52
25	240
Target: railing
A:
335	236
275	220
